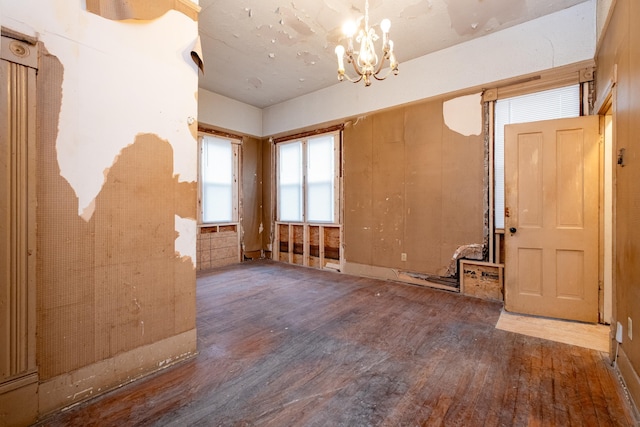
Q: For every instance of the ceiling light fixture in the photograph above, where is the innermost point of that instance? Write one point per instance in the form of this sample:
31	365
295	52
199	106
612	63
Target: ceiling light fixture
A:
365	61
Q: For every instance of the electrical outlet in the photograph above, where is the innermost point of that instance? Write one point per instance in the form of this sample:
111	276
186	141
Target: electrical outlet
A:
629	328
619	333
403	257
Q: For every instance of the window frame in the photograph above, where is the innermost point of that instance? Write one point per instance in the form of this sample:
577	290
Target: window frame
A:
236	143
337	173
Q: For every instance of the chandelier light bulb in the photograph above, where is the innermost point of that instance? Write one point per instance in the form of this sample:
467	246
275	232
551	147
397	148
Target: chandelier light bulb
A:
385	25
340	54
349	28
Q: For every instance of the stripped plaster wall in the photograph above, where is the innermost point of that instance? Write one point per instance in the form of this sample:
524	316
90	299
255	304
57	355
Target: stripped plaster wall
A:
413	187
618	74
116	215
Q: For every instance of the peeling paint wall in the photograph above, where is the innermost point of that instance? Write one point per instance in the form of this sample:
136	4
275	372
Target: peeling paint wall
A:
619	54
412	186
116	213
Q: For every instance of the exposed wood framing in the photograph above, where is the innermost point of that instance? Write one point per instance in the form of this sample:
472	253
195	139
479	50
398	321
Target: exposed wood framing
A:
309	245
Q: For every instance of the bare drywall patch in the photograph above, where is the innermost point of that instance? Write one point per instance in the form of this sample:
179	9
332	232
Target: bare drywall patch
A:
464	114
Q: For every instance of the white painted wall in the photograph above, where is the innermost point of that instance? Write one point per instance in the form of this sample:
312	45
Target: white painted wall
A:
553	40
464	114
603	12
120	79
227	113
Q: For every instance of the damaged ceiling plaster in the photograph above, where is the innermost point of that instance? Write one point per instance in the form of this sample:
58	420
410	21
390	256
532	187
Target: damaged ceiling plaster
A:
288	46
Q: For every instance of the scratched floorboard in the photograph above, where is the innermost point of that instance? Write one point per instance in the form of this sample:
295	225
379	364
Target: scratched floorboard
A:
287	346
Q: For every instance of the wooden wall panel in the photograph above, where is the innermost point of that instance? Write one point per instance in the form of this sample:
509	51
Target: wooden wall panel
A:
388	186
423	177
462	191
412	186
358	191
619	54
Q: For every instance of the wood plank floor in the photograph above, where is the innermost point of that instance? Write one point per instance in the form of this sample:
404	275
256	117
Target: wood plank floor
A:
289	346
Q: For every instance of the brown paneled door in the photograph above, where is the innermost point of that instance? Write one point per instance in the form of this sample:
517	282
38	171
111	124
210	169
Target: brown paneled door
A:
551	219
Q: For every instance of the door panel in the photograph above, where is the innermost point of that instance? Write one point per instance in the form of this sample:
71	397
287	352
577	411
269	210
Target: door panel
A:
551	240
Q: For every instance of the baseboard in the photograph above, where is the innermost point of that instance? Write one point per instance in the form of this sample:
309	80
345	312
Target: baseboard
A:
19	404
631	381
386	273
89	381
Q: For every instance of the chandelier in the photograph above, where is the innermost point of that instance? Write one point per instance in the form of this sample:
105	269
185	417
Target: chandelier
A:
365	61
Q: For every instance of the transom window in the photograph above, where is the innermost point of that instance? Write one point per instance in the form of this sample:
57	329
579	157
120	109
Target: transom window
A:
308	179
557	103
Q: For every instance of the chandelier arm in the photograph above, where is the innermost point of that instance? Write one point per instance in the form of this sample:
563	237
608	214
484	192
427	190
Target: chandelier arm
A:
393	70
385	56
384	77
348	77
357	69
354	80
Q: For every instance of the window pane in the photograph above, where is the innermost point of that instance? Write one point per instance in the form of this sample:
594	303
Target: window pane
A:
550	104
217	179
290	181
290	203
321	202
320	177
216	203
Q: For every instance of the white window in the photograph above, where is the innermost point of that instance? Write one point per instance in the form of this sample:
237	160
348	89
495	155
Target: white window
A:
218	179
308	178
549	104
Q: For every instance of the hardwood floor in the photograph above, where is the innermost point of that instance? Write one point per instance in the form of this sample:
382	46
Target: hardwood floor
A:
289	346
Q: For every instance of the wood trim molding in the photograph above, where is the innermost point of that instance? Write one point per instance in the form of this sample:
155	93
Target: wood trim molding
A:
17	279
308	133
631	380
549	79
118	10
86	382
212	131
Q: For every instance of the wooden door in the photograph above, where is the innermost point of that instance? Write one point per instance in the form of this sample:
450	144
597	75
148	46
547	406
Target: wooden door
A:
551	218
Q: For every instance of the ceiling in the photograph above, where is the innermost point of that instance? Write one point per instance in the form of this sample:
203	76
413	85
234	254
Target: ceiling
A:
268	51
